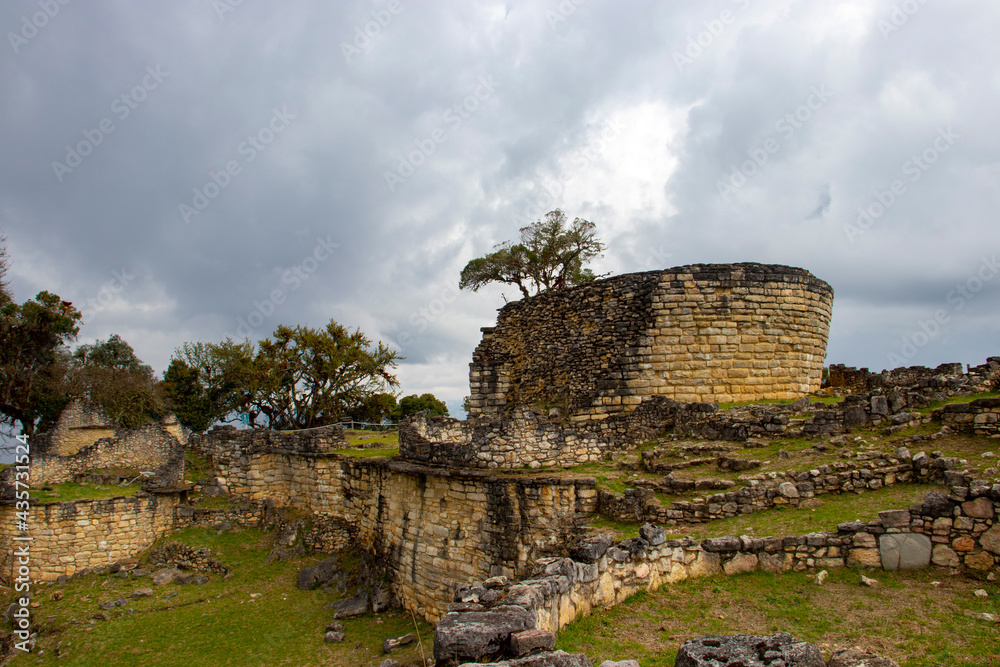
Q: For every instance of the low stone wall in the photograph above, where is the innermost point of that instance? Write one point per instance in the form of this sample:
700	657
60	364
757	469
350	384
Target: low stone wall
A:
767	490
528	438
861	381
434	529
151	447
69	537
980	417
957	532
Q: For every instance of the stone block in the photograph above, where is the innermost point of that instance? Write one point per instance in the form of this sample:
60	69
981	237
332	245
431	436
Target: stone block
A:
904	551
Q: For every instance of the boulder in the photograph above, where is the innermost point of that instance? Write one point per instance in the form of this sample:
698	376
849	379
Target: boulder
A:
620	663
356	606
166	576
936	503
749	651
553	659
333	637
316	575
477	636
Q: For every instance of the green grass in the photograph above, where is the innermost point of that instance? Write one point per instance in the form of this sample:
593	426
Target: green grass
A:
70	491
375	453
826	400
387	438
788	520
957	399
905	618
215	624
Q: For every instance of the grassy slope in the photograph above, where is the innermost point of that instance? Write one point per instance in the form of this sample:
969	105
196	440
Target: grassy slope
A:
215	624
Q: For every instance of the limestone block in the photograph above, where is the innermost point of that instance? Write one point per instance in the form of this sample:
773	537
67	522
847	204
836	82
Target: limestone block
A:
944	556
904	551
979	561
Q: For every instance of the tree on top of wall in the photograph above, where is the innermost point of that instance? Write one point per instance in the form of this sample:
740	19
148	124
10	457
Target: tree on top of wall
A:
552	254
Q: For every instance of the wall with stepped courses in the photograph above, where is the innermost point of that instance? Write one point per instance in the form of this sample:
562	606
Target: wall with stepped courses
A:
435	529
705	332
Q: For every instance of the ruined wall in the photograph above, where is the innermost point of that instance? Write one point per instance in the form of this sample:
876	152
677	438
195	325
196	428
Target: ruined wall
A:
860	381
435	529
705	332
151	447
80	425
980	417
68	537
949	532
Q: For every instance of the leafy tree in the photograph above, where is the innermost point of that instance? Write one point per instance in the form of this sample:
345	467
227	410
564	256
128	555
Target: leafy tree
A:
373	409
551	255
109	374
412	404
33	360
186	396
301	378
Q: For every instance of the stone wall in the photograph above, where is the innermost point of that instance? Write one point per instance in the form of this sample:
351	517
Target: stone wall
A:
705	332
979	417
69	537
860	381
434	529
149	448
767	490
959	533
80	425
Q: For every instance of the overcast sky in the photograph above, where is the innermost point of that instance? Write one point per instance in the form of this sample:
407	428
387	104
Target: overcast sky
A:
201	168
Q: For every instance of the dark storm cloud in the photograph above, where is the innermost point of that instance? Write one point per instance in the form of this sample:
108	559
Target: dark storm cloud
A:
296	162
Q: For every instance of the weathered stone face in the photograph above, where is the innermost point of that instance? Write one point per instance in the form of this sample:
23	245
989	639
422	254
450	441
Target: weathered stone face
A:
706	332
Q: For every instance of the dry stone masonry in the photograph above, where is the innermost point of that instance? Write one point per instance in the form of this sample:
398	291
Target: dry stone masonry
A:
705	332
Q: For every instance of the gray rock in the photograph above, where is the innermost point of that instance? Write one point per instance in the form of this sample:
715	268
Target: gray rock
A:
356	606
316	575
477	636
788	490
394	643
531	641
334	637
904	551
855	416
623	663
921	460
142	592
853	657
880	405
895	518
937	504
381	599
655	535
200	580
389	662
749	651
590	549
721	544
336	626
166	575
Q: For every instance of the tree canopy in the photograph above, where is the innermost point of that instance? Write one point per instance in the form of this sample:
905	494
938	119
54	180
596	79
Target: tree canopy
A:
5	295
412	404
301	377
33	359
551	254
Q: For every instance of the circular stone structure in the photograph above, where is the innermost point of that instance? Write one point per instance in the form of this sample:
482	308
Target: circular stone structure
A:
705	332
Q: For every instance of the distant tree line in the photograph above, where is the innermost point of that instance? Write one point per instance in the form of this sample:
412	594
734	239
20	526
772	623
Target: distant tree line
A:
300	377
